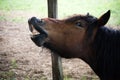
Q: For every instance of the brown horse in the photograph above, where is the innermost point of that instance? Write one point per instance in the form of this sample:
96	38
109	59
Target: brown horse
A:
84	37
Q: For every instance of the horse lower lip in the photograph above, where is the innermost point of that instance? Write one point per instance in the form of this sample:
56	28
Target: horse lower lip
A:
38	39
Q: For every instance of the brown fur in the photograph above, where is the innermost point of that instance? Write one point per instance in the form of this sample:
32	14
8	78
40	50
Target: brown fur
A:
74	37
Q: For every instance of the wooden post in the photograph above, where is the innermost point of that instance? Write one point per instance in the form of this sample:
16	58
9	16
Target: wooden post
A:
56	60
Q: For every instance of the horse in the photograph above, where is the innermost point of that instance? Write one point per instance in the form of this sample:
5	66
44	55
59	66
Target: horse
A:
81	36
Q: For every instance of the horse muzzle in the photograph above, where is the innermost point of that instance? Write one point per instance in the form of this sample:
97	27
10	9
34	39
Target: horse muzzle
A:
39	35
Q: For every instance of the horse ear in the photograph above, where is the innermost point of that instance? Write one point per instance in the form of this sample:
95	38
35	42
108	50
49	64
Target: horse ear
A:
88	14
98	23
103	19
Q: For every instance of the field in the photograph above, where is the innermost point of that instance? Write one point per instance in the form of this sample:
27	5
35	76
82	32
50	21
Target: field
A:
20	59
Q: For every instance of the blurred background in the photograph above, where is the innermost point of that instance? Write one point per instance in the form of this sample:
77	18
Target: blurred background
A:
20	59
65	8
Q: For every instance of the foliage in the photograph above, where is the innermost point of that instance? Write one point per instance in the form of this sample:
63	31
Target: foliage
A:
65	7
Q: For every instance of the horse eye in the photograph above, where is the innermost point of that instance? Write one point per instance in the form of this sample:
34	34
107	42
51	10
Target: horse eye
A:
78	24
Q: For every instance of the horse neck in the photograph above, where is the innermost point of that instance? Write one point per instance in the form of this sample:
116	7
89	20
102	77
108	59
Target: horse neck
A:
106	53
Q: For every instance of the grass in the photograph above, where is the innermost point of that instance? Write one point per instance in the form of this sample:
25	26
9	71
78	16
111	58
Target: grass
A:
24	5
94	7
67	77
9	74
66	8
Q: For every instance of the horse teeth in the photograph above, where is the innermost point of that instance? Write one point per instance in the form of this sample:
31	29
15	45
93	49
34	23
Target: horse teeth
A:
34	32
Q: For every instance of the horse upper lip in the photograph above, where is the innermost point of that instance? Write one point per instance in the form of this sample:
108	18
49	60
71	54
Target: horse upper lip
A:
36	24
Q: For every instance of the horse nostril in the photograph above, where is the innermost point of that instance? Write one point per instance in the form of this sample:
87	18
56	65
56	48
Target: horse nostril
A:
39	21
32	20
35	20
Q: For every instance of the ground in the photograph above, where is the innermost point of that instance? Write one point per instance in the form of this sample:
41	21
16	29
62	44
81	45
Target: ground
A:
21	59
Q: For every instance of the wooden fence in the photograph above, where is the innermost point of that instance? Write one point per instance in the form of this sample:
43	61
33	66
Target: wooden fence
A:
56	60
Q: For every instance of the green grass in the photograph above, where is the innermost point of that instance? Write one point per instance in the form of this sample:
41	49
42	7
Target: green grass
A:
9	74
66	8
67	77
24	5
94	7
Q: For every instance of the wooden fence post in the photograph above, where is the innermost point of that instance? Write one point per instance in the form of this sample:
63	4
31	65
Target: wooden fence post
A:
56	60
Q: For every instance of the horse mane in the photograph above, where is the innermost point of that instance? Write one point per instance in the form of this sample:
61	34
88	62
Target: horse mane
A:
89	18
107	49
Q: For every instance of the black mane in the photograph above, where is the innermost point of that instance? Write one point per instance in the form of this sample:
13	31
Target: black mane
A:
89	18
107	49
